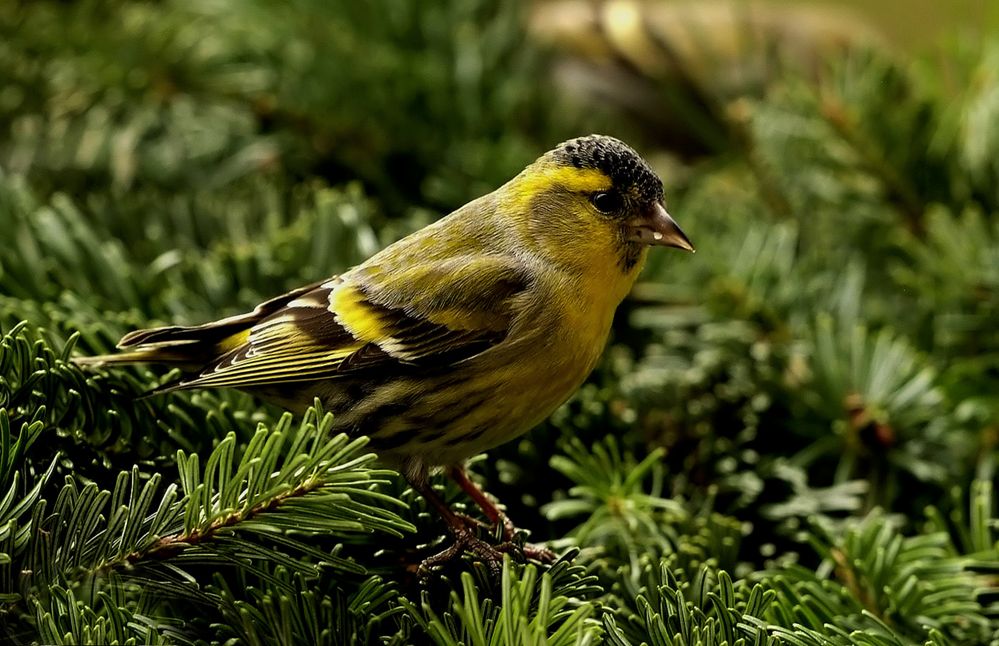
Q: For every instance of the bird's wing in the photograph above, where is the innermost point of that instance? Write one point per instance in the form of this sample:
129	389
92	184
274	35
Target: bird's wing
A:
432	317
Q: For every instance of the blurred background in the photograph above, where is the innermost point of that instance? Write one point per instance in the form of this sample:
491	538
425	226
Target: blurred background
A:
809	404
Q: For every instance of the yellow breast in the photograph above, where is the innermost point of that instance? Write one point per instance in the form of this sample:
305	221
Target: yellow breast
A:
572	331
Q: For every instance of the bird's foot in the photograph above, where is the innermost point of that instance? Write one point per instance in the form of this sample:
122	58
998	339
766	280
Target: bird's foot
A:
540	553
499	518
531	551
512	541
473	524
466	531
465	541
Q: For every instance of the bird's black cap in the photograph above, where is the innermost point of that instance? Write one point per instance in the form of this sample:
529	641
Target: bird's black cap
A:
614	158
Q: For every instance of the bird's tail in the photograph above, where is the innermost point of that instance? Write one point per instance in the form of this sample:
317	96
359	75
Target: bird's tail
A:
137	356
191	348
188	348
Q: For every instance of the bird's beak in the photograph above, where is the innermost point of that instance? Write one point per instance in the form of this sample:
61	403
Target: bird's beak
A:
656	227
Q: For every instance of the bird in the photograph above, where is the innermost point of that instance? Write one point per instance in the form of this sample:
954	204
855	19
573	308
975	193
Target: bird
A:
456	338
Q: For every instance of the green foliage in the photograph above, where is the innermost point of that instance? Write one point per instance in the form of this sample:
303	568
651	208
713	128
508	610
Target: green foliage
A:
608	493
791	439
197	95
707	610
291	612
527	611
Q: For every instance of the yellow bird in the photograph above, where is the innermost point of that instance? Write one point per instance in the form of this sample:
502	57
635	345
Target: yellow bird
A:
460	336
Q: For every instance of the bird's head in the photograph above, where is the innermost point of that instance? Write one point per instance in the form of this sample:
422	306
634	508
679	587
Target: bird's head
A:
594	194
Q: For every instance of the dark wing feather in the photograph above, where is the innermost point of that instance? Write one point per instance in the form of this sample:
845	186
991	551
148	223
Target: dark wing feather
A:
216	331
306	341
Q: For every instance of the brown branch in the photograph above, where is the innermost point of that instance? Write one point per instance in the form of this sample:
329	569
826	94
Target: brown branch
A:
167	546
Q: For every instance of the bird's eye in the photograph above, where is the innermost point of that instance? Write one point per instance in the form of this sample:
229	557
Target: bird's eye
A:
606	202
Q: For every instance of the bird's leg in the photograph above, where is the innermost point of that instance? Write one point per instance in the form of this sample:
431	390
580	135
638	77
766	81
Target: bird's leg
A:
464	538
496	515
483	500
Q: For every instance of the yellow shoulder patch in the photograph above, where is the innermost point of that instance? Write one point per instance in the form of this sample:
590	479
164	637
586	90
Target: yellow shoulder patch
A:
350	310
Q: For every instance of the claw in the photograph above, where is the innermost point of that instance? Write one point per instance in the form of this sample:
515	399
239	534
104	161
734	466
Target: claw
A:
464	529
465	541
539	553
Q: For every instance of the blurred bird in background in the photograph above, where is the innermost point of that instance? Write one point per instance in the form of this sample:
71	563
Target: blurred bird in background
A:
679	68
